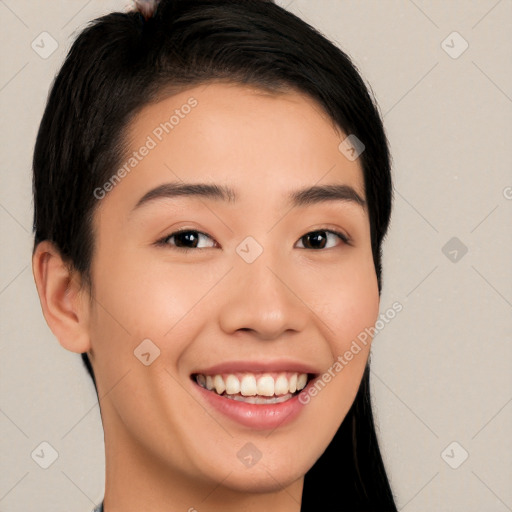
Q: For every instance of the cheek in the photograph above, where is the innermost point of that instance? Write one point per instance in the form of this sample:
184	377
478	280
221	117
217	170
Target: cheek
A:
146	298
345	297
357	306
348	307
135	301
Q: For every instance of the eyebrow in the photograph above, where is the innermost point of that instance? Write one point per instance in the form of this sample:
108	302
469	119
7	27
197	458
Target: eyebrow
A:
302	197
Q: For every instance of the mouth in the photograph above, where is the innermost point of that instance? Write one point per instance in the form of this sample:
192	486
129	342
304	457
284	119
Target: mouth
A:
260	395
260	388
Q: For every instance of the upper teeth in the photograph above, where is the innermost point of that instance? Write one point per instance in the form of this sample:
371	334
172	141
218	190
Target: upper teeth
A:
251	384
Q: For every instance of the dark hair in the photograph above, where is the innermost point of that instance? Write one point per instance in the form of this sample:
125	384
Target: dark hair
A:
124	61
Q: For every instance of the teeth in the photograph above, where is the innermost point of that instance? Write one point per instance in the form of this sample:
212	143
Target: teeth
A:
293	383
219	385
232	385
248	385
254	385
266	385
302	380
281	385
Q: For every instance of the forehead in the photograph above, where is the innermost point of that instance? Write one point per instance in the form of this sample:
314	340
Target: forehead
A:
261	144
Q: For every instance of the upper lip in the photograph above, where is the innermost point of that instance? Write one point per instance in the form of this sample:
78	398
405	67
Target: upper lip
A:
276	365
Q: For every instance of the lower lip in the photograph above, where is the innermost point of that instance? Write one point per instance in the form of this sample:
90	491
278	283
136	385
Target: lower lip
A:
256	416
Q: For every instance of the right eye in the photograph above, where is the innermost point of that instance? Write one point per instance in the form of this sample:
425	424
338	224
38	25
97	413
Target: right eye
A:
185	239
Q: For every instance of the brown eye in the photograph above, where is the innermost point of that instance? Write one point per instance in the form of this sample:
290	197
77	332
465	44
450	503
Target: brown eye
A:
319	239
186	239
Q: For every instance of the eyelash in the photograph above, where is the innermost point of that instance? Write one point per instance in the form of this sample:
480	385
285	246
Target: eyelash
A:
164	241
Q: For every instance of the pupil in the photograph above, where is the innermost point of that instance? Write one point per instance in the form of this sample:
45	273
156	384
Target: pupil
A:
317	235
187	236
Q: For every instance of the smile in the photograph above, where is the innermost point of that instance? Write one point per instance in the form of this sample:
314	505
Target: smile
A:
261	399
255	388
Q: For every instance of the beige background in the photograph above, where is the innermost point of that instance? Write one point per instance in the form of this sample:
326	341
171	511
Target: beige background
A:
441	368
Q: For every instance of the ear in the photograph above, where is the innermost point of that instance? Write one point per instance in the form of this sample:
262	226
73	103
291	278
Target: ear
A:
64	305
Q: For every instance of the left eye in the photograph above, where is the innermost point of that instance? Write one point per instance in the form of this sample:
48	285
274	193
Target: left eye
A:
317	239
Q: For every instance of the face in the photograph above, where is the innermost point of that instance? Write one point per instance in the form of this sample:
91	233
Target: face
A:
262	286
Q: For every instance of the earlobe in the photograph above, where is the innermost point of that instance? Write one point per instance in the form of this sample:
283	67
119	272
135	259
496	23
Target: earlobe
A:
64	308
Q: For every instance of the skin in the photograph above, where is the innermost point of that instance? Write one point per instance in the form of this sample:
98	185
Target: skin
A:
207	306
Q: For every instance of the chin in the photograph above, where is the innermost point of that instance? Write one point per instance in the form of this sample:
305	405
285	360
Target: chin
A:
261	481
269	475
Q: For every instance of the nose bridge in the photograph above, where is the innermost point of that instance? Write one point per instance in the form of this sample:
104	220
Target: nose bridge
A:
259	297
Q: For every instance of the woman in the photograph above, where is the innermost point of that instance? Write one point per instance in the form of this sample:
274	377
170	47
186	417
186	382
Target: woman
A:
212	187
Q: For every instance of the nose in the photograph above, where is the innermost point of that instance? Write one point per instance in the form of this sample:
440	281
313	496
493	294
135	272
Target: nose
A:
260	297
